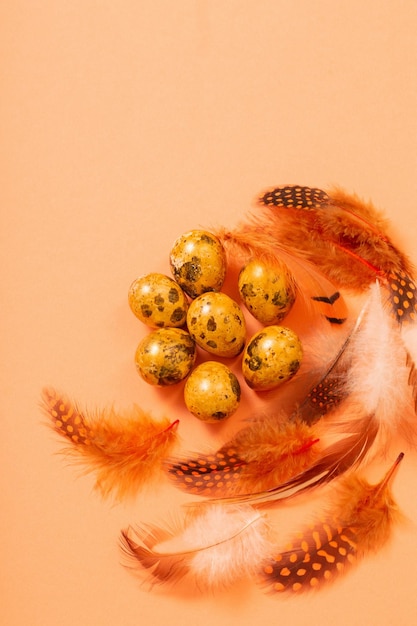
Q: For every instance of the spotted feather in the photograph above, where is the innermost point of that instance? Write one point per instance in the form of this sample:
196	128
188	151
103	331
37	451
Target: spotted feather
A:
124	450
258	457
403	296
360	524
345	237
295	197
211	475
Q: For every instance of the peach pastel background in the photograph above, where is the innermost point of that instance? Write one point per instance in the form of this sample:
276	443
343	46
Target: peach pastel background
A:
123	124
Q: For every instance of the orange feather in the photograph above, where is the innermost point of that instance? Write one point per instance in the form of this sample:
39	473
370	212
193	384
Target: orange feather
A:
125	451
359	523
256	240
344	237
260	456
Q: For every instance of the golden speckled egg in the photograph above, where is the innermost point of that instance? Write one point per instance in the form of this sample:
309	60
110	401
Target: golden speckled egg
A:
166	356
212	392
267	292
158	301
216	324
198	262
272	356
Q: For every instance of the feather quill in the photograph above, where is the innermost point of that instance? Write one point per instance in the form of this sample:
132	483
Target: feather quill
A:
212	549
359	523
125	451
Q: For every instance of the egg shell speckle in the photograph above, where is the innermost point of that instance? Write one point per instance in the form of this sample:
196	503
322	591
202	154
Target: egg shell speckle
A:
271	357
165	356
267	292
158	301
198	262
212	392
216	323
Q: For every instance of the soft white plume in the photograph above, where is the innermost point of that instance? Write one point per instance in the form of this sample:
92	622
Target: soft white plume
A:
215	547
378	376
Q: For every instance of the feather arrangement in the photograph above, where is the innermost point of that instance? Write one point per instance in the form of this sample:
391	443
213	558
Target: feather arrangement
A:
125	451
346	238
213	549
349	411
359	523
374	404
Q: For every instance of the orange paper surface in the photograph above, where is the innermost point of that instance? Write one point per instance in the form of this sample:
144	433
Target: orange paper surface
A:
124	124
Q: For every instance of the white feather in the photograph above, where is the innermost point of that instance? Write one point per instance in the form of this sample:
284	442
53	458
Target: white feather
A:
379	392
216	546
237	537
378	376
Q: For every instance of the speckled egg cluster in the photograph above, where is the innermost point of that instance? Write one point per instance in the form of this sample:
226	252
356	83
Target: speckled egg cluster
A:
189	311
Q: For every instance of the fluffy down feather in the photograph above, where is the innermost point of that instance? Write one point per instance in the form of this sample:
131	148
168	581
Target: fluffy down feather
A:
260	456
213	548
125	451
342	235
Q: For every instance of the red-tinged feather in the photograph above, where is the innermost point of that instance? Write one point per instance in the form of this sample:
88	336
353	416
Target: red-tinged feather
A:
211	549
346	238
317	293
125	451
359	523
374	404
333	461
260	456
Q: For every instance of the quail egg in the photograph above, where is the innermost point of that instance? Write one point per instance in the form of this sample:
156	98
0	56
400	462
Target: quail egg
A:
212	392
158	301
165	356
216	323
271	357
198	262
268	292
